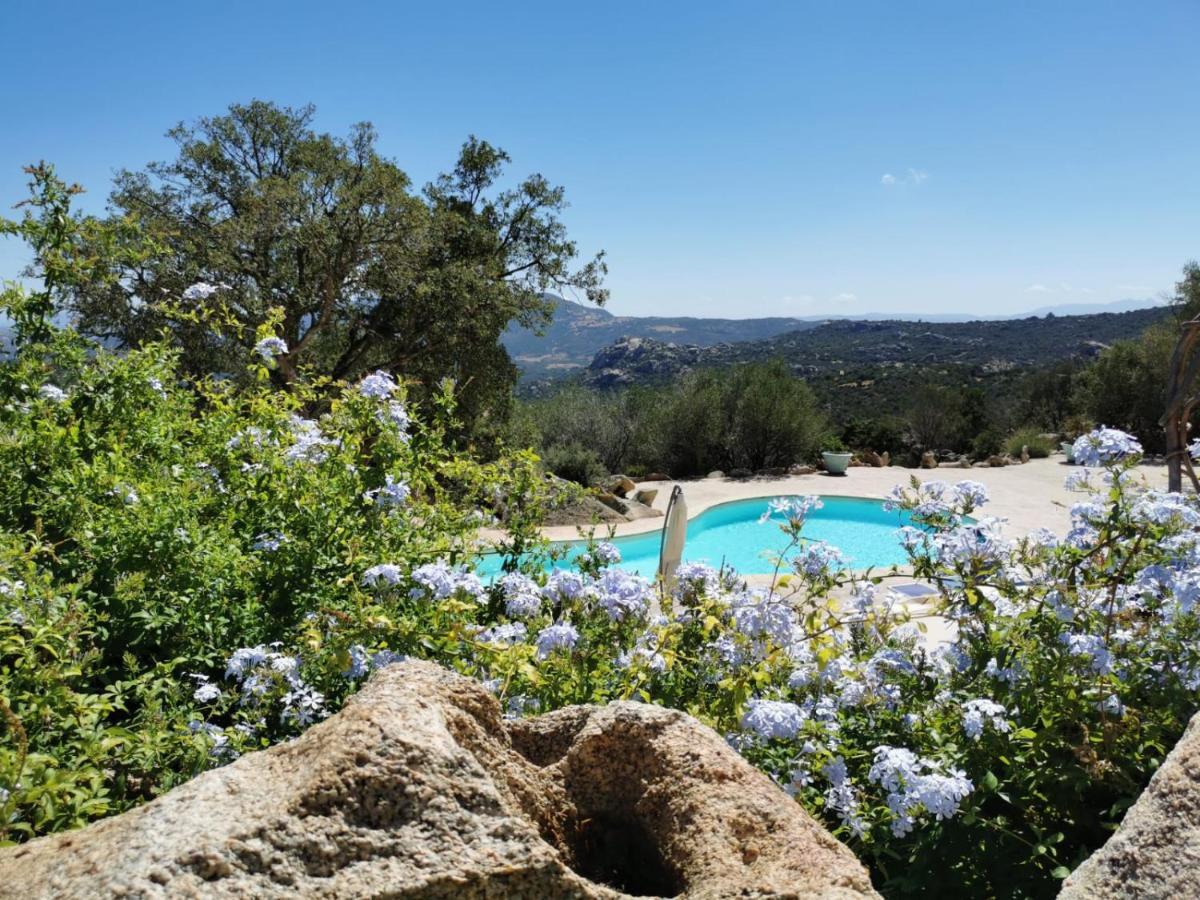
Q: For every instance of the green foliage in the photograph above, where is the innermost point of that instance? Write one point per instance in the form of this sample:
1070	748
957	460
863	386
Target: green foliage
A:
264	212
1039	447
574	462
1126	386
875	433
151	525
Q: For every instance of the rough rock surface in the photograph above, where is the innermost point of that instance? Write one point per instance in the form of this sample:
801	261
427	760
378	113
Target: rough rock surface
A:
418	789
1156	851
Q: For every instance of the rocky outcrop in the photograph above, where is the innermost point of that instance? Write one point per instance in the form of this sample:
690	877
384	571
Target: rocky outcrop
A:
1153	855
621	485
418	789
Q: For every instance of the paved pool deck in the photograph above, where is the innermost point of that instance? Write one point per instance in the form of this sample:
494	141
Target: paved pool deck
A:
1029	496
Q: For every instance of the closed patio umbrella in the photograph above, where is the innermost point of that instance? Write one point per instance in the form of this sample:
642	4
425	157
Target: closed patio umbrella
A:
674	533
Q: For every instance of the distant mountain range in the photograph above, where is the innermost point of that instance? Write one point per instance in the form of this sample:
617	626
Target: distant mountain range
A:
577	333
884	348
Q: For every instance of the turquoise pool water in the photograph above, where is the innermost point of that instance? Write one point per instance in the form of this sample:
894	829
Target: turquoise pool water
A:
731	533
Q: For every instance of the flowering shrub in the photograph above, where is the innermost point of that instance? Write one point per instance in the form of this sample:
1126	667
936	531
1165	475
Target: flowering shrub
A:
158	539
991	763
193	571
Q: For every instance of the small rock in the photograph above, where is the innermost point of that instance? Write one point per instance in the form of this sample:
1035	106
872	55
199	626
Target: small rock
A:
928	460
740	473
997	461
633	511
646	496
1024	453
801	469
885	459
620	485
657	476
872	459
717	473
612	501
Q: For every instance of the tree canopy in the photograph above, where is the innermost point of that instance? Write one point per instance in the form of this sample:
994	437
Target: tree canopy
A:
324	240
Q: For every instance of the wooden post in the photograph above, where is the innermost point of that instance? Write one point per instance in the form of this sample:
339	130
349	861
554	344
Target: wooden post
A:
1181	401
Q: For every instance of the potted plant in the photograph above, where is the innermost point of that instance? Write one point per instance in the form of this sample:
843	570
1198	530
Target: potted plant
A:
837	457
1068	449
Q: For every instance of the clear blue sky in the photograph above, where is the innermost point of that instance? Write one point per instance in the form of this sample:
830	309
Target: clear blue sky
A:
734	159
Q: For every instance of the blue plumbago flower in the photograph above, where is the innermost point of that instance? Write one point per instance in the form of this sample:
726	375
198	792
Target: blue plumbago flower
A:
358	663
245	660
559	636
1194	449
302	705
623	595
693	579
392	493
10	587
396	415
1105	446
644	653
251	435
1008	674
1090	647
522	597
269	541
439	580
201	290
926	500
841	797
1043	538
1082	480
1165	508
606	553
127	495
773	719
205	691
220	740
504	635
757	613
270	347
310	444
914	784
379	385
970	494
53	393
383	574
794	510
913	538
156	385
977	713
563	585
981	543
818	559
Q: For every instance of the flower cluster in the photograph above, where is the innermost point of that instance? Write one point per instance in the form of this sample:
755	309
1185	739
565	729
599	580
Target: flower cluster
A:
1105	446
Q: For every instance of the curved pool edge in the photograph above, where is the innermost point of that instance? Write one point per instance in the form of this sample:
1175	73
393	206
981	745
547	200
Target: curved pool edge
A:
575	533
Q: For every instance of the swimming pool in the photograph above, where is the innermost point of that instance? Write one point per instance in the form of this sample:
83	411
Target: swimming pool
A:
731	533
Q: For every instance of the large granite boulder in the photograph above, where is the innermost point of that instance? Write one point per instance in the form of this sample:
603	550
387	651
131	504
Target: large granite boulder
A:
1155	854
418	789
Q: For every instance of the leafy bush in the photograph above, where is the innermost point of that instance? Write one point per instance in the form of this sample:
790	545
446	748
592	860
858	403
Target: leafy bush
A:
149	527
878	434
988	442
1039	446
574	462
